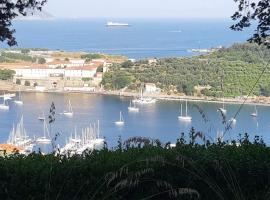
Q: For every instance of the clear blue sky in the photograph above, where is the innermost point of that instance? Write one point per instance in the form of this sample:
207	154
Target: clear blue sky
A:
141	8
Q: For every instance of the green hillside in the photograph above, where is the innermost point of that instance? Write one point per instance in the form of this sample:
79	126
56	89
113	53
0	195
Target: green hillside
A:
237	67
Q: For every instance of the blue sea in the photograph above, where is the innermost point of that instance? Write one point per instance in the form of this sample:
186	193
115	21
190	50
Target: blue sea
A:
143	39
157	121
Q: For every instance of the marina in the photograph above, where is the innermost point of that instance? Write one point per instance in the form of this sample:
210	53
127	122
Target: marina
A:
159	120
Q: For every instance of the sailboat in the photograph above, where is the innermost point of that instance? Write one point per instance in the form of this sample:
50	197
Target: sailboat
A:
223	109
121	120
255	113
41	117
185	117
233	120
133	108
144	100
44	139
8	96
19	138
4	106
19	101
70	111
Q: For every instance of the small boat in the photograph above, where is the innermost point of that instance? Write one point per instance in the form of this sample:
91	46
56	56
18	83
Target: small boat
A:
114	24
41	117
121	120
4	105
8	96
69	113
185	118
19	101
233	120
132	108
44	139
255	113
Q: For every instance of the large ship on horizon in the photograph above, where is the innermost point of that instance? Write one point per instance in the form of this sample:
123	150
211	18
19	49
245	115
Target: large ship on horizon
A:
117	24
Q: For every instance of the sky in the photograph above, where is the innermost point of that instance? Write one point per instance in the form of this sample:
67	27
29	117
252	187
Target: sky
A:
141	8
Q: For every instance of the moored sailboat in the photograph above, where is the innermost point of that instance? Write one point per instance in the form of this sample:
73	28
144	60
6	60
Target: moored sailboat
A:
133	108
19	100
255	113
45	138
4	105
69	113
185	117
121	120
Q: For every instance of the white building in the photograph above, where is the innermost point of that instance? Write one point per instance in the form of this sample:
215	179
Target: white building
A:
150	88
36	71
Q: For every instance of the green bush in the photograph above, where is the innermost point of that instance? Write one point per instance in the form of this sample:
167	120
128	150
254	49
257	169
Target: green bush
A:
140	168
6	74
27	83
18	81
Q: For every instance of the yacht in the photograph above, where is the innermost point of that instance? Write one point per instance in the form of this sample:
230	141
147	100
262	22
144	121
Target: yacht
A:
45	138
4	105
69	113
89	139
121	120
132	108
255	113
19	101
185	117
144	100
41	117
117	24
19	138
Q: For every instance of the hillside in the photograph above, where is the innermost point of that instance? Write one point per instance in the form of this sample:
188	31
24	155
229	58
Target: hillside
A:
236	67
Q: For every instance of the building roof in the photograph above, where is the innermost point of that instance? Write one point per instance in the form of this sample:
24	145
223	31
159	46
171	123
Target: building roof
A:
10	148
22	66
58	62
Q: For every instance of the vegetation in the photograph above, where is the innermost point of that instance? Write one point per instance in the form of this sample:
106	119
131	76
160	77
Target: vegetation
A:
14	57
141	168
91	56
12	9
27	83
6	74
41	60
233	70
257	11
117	79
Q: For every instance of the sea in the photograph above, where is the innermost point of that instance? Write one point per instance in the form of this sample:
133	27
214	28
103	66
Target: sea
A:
145	38
156	121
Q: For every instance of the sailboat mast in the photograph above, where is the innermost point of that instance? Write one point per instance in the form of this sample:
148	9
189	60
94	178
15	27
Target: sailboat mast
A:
186	107
98	129
181	110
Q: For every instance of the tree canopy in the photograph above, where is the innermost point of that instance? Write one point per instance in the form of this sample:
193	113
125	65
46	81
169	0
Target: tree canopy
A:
254	11
9	10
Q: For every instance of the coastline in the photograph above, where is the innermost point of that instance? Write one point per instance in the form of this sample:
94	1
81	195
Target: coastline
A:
10	87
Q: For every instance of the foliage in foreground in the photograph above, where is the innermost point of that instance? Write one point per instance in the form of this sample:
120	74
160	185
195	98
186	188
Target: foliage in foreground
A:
140	168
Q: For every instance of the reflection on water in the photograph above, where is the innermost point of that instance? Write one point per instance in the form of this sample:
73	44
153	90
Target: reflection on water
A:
156	121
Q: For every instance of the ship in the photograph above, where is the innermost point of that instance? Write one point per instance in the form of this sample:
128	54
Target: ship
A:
117	24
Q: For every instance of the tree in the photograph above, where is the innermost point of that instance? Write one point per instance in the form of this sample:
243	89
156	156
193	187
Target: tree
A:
127	64
9	10
6	74
25	51
41	60
257	11
27	83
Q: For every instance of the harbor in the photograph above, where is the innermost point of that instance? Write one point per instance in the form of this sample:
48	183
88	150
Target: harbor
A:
96	119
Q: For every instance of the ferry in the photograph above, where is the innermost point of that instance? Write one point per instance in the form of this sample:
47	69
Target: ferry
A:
117	24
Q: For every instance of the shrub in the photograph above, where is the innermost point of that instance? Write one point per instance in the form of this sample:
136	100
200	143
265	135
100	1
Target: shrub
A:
27	83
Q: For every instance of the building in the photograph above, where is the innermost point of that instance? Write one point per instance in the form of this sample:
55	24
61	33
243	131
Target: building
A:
151	88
